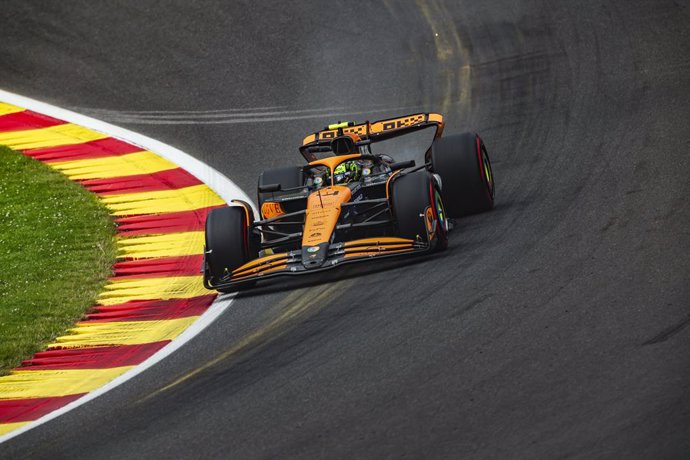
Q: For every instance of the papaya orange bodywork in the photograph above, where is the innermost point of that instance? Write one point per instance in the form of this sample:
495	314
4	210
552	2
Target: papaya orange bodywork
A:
366	128
388	184
387	248
252	273
323	211
378	241
270	210
247	213
260	261
375	253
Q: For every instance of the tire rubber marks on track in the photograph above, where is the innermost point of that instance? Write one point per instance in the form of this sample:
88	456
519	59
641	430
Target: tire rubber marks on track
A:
298	304
236	116
452	55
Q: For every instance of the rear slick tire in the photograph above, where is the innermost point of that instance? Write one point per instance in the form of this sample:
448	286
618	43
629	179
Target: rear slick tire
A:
462	162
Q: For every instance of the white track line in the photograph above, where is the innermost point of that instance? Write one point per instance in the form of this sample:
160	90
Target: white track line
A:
224	119
214	179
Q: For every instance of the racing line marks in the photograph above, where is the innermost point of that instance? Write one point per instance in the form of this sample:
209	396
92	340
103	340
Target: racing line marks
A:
234	116
668	332
295	306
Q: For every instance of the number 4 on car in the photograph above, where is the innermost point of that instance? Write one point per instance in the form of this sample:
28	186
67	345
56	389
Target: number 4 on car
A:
349	204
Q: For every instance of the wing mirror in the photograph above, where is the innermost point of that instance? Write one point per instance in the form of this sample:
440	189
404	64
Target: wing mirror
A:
269	188
401	165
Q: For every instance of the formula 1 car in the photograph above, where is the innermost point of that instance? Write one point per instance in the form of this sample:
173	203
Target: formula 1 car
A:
349	204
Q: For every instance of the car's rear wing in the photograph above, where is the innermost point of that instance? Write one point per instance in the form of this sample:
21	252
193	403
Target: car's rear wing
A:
370	131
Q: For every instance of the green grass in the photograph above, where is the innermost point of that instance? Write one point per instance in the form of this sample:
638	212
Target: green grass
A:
57	246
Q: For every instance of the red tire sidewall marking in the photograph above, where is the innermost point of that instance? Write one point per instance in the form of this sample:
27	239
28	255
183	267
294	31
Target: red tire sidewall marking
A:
432	197
482	170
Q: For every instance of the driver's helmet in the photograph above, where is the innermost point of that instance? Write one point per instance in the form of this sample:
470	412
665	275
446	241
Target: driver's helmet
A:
347	171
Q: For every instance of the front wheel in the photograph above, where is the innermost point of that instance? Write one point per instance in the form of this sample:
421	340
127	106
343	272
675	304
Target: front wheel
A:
419	210
229	244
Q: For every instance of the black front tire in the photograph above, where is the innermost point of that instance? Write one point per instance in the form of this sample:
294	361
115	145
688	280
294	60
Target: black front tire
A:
229	244
417	203
463	164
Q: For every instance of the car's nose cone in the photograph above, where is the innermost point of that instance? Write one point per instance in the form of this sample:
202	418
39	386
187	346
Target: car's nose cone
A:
314	256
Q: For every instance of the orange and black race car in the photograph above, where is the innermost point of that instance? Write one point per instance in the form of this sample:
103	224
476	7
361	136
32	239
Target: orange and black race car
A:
349	204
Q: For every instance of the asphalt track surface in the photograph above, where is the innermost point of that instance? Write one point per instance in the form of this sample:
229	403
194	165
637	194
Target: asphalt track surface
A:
554	326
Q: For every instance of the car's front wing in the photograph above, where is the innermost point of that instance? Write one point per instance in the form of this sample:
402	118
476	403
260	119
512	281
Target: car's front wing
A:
290	263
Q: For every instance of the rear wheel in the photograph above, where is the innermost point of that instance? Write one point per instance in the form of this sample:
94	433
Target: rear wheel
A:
463	164
229	244
419	210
